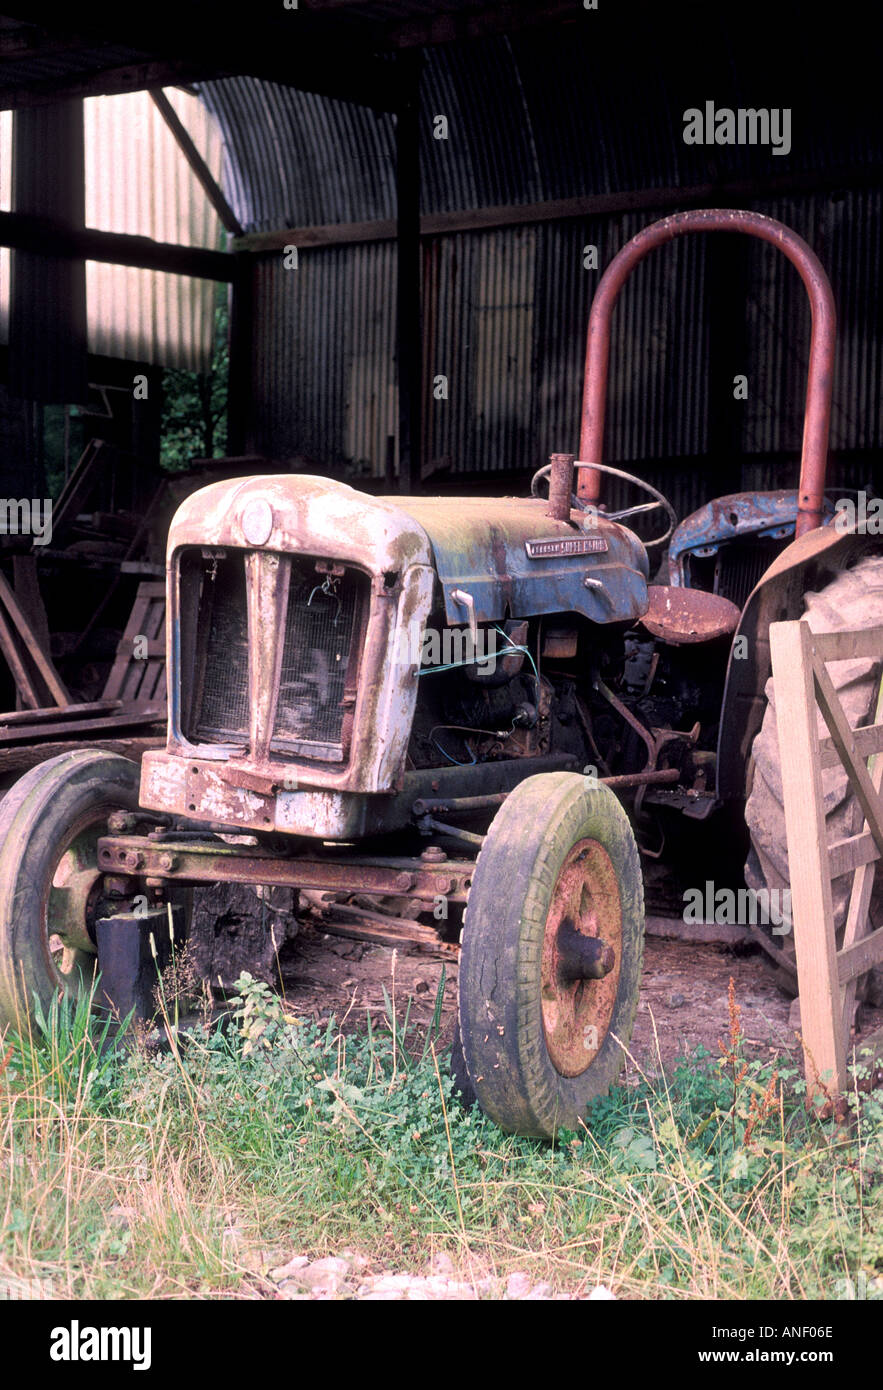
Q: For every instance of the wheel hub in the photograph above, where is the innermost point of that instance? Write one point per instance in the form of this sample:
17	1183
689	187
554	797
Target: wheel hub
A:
581	958
71	899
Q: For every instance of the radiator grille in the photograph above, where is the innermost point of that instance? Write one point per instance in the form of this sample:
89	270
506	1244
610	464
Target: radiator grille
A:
742	565
321	621
223	710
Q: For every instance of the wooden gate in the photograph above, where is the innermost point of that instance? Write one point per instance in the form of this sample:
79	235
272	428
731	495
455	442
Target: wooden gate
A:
827	975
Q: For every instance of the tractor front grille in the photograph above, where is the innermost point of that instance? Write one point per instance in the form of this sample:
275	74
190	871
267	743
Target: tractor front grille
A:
320	631
222	706
320	625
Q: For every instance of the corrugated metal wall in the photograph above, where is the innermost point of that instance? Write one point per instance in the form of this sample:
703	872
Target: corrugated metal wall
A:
5	206
539	117
326	398
138	181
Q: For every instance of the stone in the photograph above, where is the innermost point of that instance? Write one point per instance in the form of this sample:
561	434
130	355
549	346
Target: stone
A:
294	1266
518	1285
541	1290
325	1276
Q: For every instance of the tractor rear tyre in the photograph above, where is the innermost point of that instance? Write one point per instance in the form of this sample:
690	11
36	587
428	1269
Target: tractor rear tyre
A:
50	883
553	942
853	600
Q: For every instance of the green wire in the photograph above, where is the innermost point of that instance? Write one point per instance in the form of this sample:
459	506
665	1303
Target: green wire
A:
453	665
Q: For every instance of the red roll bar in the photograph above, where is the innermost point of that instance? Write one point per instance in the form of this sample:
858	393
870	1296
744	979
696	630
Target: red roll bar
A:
817	413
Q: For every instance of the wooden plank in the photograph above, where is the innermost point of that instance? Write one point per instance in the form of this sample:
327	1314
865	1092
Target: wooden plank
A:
553	210
26	584
35	651
857	918
155	683
19	759
868	741
22	677
842	734
114	685
240	360
131	77
80	485
865	644
142	678
794	674
142	567
26	231
860	956
229	221
56	712
153	648
149	714
851	853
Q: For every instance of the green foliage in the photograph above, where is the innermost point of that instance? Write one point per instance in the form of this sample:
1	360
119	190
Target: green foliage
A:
311	1141
194	416
65	1052
259	1015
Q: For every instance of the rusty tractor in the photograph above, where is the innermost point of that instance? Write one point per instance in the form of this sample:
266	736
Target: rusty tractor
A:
426	717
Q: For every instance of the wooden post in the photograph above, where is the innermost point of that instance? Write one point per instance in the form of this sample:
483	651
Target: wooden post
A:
812	908
239	368
409	367
827	976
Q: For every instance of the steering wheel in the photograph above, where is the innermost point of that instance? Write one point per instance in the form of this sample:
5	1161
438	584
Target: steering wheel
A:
542	475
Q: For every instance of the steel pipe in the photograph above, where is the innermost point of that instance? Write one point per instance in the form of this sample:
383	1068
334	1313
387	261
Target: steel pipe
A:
817	412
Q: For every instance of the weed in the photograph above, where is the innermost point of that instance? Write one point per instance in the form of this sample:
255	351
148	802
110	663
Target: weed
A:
122	1174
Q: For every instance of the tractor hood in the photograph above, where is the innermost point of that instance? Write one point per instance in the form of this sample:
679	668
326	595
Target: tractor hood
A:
513	558
506	553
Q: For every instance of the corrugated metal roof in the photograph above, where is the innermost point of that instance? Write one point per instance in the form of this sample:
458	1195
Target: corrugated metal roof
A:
137	181
534	117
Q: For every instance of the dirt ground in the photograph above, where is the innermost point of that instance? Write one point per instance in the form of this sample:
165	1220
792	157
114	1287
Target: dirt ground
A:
683	1001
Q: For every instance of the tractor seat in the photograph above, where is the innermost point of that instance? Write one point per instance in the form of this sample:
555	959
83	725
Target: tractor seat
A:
679	616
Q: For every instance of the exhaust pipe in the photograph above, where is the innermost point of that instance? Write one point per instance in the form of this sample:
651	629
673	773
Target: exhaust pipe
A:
561	486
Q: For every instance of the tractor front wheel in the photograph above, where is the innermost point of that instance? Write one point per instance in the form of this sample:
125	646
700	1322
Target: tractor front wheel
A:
552	949
50	882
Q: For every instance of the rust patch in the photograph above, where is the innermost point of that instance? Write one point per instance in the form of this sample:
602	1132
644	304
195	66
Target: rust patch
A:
579	985
683	616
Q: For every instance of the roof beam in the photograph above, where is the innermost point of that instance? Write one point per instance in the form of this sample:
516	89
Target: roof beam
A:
26	232
203	173
133	77
300	48
457	26
558	209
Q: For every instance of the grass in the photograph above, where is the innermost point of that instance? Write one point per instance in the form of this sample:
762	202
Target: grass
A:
191	1171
